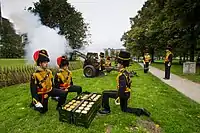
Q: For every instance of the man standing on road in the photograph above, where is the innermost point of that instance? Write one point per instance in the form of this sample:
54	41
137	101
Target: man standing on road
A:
168	62
146	61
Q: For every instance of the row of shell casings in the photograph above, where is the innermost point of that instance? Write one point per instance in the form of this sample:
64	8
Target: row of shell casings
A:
84	97
83	108
95	97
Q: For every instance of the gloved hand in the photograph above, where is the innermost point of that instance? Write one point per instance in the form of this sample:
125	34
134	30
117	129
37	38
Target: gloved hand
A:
169	64
38	105
117	101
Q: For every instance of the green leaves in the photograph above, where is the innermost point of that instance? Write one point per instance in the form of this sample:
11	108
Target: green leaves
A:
163	22
11	42
61	14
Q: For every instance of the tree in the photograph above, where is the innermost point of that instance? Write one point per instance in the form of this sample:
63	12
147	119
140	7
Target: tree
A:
112	52
163	22
61	14
106	52
10	41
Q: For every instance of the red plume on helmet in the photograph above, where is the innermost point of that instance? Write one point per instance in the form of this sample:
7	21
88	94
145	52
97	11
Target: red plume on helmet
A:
40	56
59	59
36	55
62	61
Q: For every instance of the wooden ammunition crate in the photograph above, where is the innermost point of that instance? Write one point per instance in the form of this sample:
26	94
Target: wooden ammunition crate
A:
85	110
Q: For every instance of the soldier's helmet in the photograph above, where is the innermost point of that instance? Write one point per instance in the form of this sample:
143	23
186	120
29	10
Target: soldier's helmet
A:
146	51
62	61
101	54
169	47
108	58
124	58
41	56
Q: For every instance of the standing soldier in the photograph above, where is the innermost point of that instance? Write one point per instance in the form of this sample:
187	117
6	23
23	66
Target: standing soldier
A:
123	86
102	61
41	84
108	62
102	64
146	61
63	78
168	62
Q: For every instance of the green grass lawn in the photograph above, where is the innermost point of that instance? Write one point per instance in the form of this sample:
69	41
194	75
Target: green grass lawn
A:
12	62
178	70
173	112
161	61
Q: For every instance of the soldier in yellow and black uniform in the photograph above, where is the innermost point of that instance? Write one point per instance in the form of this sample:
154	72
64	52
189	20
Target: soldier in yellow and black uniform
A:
168	62
63	78
146	61
108	62
123	89
102	62
41	84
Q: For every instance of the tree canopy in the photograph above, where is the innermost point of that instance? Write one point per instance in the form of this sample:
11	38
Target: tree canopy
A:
163	22
61	14
11	46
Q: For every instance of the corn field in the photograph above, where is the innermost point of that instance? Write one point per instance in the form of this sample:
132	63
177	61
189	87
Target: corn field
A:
21	74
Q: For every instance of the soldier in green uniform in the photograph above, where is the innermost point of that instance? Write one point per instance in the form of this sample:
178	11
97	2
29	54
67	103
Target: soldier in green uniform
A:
63	78
123	89
41	84
168	62
146	61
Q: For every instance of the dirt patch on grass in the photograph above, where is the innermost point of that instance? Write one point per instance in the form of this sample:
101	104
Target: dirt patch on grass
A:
147	126
108	128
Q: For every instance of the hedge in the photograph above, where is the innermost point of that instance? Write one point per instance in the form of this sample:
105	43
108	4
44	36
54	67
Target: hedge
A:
21	74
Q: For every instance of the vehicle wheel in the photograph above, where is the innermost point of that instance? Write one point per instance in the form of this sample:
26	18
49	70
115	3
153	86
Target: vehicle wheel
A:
89	71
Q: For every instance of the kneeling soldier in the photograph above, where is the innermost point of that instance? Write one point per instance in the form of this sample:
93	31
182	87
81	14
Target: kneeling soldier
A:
63	78
42	82
123	92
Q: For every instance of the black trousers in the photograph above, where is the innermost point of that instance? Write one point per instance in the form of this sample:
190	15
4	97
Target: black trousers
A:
123	102
53	93
146	66
167	71
75	88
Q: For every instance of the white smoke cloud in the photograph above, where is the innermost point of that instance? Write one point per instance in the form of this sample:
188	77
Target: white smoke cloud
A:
39	36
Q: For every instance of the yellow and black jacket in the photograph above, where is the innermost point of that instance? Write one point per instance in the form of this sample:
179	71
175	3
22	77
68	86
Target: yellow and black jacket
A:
146	58
123	84
168	57
63	79
108	63
41	83
102	63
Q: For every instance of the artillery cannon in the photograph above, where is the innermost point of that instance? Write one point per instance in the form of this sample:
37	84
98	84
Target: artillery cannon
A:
91	66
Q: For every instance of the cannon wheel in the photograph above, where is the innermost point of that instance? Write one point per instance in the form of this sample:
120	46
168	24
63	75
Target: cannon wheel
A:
89	71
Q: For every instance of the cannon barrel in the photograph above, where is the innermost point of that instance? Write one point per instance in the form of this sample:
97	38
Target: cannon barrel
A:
79	54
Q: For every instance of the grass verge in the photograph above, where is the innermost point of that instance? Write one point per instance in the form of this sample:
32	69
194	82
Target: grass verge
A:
171	111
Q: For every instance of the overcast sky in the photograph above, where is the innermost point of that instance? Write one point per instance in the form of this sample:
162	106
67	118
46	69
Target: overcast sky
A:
108	19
